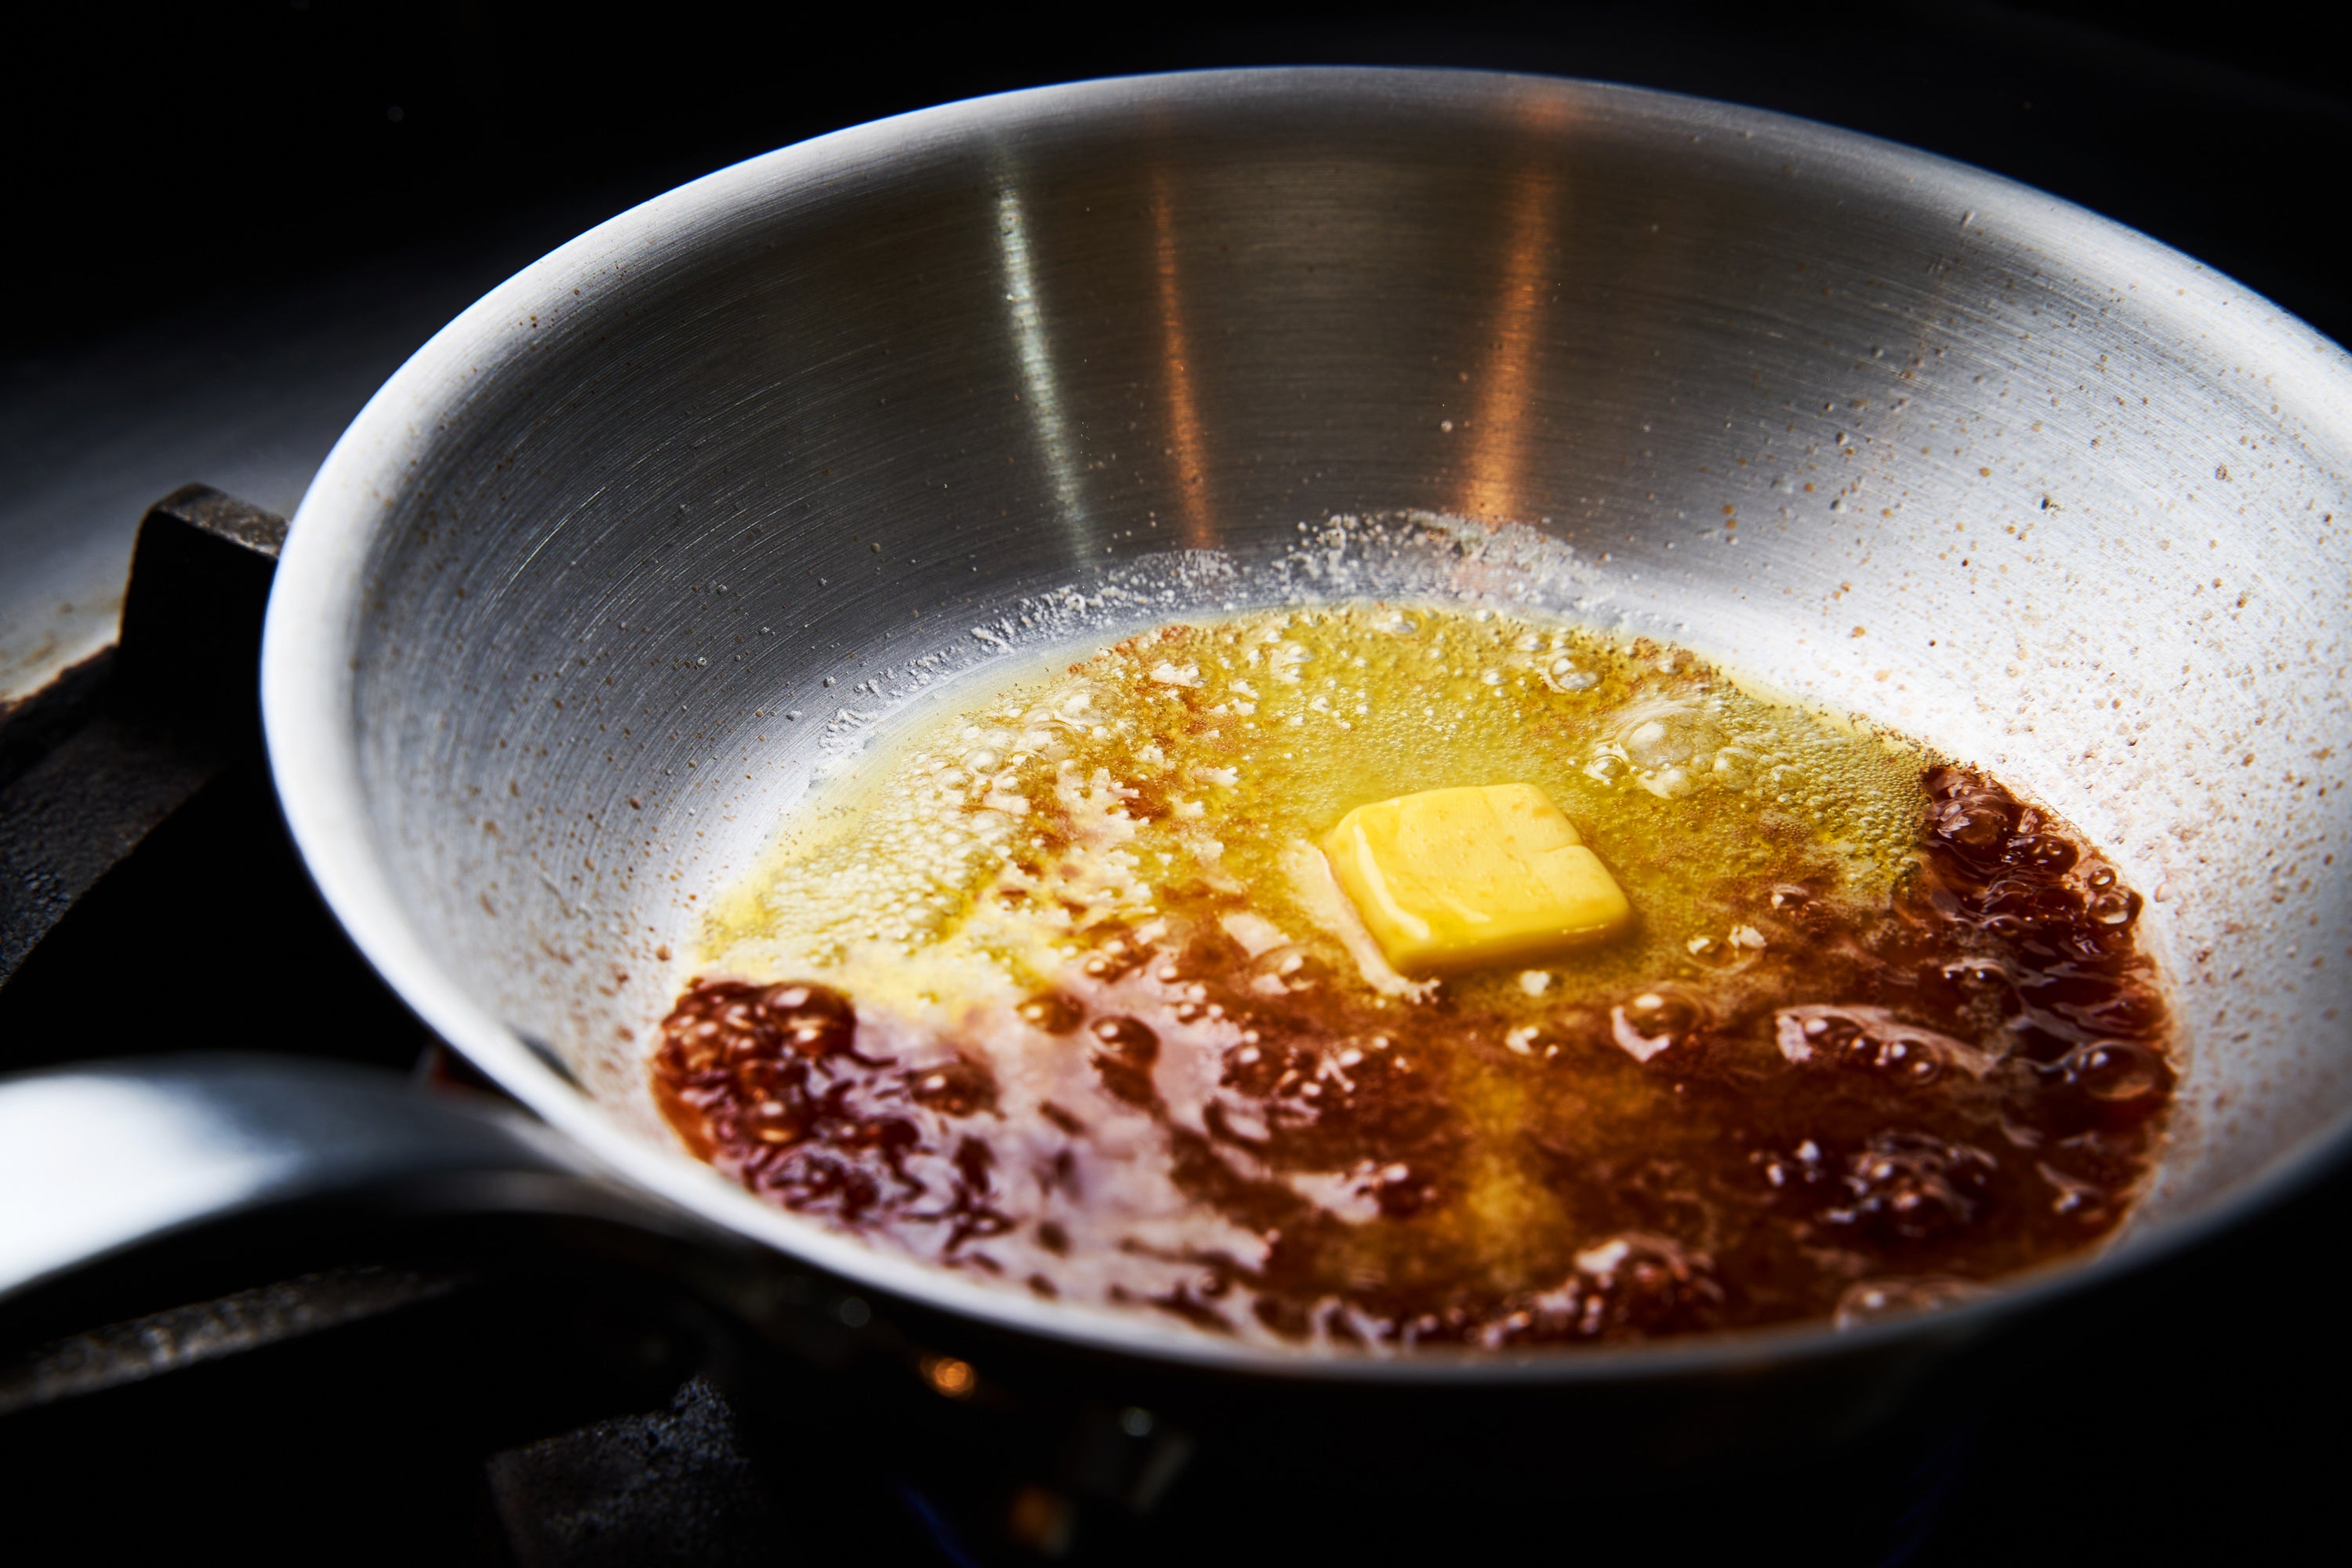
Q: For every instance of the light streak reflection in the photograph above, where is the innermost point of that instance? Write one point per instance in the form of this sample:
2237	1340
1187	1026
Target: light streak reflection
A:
1040	389
1496	473
1186	448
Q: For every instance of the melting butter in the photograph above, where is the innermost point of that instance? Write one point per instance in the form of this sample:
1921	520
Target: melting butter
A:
1157	780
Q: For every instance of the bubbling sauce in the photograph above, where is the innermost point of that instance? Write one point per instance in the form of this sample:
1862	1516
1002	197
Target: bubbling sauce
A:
1063	994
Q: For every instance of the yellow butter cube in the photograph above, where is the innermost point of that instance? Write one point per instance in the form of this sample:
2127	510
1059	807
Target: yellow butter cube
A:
1461	878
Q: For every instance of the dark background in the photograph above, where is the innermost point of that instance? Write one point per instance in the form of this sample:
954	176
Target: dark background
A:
171	163
161	153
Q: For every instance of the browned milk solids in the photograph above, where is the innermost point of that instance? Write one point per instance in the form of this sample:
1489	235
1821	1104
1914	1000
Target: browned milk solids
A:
1064	994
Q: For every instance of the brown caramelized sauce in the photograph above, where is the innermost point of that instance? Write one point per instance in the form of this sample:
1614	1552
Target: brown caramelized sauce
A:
1855	1106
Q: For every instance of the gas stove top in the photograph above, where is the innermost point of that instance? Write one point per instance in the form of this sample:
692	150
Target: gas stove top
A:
561	1392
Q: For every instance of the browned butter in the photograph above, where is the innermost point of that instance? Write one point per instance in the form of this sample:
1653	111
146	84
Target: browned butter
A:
1060	994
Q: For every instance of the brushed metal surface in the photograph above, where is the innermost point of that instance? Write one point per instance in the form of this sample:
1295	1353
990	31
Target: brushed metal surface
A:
1881	430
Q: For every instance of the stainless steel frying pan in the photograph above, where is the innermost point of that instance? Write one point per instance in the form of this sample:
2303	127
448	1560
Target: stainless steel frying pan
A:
1884	431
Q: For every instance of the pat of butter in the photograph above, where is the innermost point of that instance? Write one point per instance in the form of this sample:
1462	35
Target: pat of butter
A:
1461	878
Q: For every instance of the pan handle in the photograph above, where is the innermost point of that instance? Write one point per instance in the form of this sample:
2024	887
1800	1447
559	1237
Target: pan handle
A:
99	1158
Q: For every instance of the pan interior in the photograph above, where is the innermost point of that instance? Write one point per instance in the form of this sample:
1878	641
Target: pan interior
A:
675	521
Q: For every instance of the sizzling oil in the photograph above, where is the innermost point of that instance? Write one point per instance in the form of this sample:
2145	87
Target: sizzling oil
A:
1063	993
